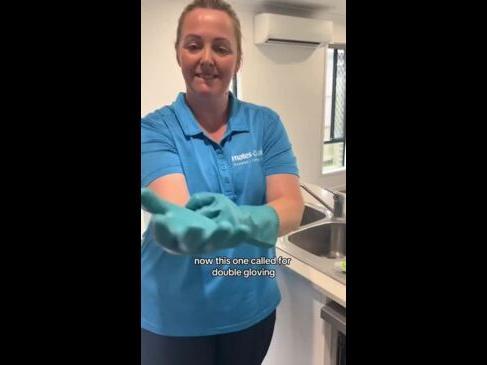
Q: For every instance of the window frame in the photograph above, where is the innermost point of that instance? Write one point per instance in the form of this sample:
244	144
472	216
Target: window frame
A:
333	139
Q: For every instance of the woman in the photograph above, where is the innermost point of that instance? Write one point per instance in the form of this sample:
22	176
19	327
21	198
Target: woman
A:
222	183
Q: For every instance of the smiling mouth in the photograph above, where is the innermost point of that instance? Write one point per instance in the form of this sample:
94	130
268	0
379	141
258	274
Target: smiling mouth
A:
206	77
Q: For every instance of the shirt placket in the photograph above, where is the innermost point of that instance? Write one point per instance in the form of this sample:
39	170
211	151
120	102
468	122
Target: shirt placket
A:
225	172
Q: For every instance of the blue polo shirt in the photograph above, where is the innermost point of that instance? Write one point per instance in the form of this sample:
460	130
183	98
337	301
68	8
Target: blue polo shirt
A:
184	298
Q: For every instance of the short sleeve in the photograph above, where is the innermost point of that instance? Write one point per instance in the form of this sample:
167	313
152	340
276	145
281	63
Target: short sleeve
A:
159	156
278	155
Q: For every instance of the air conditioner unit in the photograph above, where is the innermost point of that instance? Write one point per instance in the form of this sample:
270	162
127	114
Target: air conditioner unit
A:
290	30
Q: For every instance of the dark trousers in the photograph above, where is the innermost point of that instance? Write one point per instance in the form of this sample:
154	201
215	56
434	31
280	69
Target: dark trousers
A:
246	347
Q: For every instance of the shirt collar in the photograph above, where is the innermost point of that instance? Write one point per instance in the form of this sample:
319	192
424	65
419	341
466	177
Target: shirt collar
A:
190	126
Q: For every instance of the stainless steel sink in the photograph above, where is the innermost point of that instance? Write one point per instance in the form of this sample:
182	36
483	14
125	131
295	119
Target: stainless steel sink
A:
311	215
324	239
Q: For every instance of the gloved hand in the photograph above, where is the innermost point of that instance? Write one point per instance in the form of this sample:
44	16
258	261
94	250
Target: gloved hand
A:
182	231
262	222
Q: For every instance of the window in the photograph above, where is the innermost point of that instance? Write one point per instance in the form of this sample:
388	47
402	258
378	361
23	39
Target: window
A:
334	147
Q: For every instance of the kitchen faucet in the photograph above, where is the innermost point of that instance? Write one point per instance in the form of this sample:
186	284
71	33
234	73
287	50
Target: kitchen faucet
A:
338	201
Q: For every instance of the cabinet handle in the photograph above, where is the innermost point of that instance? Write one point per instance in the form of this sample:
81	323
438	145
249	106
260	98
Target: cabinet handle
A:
336	315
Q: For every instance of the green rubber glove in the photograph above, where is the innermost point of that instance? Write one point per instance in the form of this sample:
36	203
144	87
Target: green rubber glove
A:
262	222
185	232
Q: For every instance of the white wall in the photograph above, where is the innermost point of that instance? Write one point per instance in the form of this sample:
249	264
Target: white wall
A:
288	79
161	78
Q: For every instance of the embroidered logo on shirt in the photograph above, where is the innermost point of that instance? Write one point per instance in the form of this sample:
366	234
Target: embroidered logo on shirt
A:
247	157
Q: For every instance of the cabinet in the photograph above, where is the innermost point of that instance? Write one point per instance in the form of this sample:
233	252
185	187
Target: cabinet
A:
300	336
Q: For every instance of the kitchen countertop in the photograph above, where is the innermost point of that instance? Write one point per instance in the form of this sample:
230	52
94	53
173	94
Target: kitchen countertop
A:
320	271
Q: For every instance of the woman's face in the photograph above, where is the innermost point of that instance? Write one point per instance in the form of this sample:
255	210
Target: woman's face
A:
207	52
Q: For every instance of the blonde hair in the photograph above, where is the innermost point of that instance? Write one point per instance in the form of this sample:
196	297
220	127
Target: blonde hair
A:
216	5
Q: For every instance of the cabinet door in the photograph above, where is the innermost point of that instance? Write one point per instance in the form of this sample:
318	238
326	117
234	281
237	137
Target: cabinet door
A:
300	336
